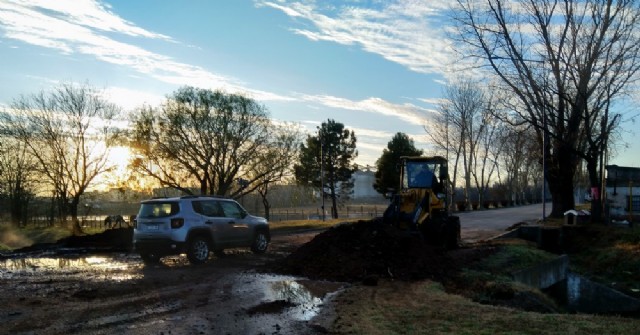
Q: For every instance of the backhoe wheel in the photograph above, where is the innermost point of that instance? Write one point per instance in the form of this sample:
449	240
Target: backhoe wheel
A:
198	250
260	242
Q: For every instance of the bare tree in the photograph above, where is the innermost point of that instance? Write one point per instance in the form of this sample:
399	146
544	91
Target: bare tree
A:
68	132
566	62
275	162
519	162
465	128
214	141
17	177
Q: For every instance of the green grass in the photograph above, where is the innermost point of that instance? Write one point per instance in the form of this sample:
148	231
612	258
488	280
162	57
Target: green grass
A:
513	257
425	308
610	255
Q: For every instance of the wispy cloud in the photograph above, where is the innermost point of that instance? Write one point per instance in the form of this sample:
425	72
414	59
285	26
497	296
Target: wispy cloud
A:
407	32
88	27
407	112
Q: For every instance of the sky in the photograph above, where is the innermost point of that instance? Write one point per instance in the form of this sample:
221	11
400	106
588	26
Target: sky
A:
376	66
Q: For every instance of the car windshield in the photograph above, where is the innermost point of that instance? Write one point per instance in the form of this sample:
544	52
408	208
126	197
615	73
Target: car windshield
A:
158	209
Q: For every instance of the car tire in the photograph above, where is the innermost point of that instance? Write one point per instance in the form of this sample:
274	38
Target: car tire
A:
260	243
150	258
198	250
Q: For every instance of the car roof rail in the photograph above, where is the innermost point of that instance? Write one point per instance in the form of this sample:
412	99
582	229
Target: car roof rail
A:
204	196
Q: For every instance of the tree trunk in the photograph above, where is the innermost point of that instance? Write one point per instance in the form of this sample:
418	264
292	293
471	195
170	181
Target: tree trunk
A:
265	202
560	173
76	229
594	182
334	203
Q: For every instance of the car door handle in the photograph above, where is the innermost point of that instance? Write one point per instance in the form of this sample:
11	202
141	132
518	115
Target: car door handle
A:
208	222
231	222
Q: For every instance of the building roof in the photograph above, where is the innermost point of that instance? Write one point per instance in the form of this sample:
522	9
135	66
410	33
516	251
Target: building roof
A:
622	174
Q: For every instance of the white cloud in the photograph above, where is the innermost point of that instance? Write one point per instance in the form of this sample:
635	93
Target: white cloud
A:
407	32
407	112
81	27
371	133
130	99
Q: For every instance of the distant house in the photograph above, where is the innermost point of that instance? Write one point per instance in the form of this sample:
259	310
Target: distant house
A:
623	189
363	181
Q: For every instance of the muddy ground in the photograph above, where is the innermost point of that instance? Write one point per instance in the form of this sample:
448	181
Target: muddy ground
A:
79	286
95	285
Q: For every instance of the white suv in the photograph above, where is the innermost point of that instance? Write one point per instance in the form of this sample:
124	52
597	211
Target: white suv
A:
196	225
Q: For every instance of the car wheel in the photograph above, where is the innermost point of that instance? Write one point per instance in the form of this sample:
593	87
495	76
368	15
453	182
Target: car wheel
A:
198	250
260	242
150	258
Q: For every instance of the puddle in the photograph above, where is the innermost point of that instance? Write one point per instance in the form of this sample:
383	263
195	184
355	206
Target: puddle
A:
299	299
581	295
117	267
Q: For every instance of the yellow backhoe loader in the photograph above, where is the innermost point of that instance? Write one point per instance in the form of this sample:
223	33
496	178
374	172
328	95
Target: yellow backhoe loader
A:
420	203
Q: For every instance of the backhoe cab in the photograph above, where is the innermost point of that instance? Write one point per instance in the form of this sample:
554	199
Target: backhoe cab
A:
420	203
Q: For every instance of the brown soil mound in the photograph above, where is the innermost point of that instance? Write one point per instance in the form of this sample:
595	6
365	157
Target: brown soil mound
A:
367	250
111	240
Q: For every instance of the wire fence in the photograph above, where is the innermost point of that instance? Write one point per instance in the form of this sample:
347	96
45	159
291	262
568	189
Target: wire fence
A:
276	215
346	212
86	221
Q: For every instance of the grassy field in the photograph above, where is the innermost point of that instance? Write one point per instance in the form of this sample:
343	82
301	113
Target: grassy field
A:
425	308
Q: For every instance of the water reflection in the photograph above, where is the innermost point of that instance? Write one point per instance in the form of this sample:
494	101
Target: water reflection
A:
307	296
116	268
579	294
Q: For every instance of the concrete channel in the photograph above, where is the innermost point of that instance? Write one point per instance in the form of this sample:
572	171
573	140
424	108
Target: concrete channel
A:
575	293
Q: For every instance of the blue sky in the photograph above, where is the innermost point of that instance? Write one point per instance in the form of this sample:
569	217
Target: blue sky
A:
377	66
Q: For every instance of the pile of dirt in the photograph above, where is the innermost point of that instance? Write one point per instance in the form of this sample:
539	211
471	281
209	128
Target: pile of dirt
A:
369	250
111	240
120	239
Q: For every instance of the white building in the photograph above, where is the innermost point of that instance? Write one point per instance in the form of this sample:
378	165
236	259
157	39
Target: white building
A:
363	181
623	189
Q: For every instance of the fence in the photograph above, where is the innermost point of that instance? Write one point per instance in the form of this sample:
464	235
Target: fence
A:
347	212
98	221
86	221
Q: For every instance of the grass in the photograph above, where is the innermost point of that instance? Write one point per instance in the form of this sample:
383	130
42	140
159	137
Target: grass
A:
425	308
514	257
15	238
610	254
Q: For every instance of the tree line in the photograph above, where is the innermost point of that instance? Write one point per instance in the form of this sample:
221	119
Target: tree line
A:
199	141
552	72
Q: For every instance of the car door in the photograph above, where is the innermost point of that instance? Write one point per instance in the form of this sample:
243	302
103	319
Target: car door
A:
239	229
213	217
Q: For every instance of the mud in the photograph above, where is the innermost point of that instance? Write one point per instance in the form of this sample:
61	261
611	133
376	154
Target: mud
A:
366	251
86	290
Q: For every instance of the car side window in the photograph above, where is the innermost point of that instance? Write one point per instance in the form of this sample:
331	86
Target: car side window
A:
209	208
232	210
